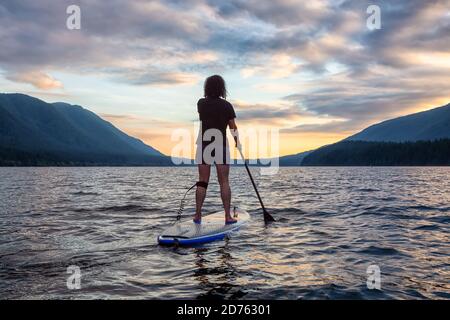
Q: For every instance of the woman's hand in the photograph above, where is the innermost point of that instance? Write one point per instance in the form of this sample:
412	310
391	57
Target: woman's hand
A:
234	133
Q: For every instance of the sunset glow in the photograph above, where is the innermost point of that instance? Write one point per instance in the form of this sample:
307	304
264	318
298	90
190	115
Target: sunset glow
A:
313	71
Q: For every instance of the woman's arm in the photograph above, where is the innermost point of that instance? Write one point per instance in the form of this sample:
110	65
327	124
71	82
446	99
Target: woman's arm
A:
234	131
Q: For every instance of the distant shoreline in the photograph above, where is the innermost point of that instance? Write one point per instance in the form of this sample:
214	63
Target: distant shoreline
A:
342	154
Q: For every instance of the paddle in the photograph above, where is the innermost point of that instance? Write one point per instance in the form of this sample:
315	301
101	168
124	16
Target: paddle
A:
267	216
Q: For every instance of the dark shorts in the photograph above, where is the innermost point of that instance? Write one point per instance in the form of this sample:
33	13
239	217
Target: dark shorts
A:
212	155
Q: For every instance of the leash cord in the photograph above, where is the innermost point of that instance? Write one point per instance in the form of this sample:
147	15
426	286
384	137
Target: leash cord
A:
182	203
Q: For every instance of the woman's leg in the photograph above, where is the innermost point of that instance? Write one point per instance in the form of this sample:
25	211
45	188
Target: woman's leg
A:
223	171
204	171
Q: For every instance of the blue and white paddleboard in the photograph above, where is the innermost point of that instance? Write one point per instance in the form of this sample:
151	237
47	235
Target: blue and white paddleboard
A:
212	228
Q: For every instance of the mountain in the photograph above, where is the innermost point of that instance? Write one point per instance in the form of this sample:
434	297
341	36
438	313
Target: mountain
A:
110	137
418	139
427	125
293	159
60	133
373	153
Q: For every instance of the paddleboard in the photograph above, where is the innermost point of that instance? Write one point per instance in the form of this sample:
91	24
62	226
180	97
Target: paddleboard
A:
212	228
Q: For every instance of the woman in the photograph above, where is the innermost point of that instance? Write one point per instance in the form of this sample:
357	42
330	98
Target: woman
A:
216	114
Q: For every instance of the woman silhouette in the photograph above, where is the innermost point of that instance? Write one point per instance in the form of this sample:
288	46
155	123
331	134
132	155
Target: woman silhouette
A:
216	114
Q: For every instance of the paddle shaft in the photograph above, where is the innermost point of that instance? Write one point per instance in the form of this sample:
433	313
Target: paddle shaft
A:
267	216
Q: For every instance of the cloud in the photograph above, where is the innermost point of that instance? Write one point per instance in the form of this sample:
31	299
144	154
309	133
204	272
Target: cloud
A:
156	77
344	126
280	13
147	35
342	75
38	79
276	67
118	117
269	114
361	99
247	34
151	34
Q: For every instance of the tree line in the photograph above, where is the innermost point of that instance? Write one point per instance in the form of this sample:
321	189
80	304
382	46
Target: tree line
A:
363	153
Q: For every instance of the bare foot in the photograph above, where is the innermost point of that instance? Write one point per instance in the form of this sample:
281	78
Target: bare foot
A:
230	220
197	218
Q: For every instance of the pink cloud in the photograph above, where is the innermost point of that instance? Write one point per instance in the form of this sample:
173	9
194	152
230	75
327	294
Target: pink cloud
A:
38	79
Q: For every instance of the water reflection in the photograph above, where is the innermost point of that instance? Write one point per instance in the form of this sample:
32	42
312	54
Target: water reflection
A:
216	275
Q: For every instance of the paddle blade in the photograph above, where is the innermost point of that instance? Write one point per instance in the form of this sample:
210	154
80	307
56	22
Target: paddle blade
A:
267	217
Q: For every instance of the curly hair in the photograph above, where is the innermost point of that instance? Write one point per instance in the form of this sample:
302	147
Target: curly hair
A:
215	87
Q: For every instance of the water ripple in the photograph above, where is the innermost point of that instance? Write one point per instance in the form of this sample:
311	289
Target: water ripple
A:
332	223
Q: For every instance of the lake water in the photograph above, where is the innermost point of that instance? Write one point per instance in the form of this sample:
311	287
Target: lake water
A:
333	223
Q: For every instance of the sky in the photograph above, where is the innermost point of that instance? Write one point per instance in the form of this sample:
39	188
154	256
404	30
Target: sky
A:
311	70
